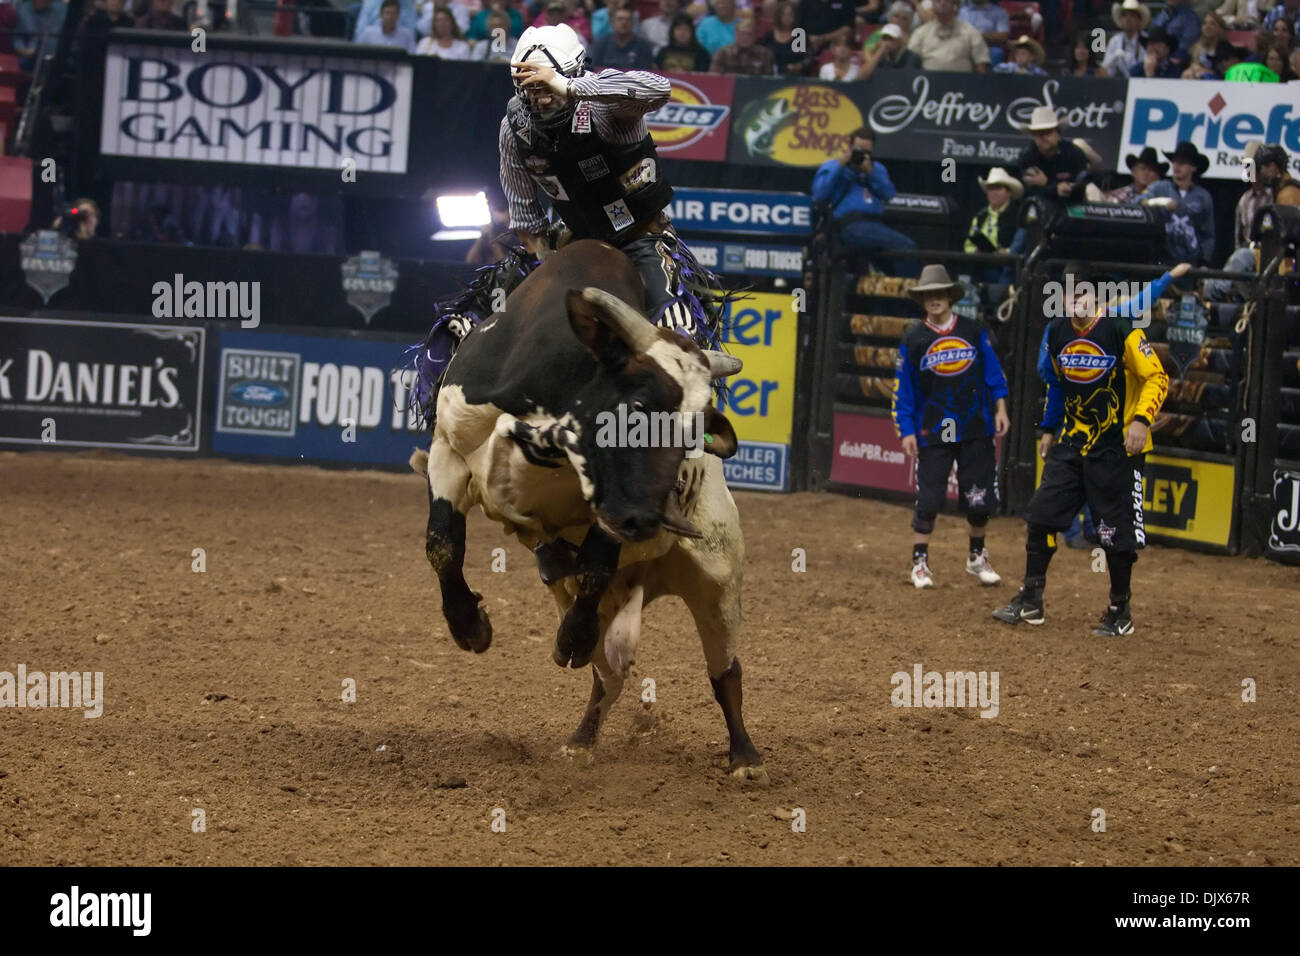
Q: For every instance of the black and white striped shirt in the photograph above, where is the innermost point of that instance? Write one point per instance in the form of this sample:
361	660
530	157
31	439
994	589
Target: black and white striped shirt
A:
619	102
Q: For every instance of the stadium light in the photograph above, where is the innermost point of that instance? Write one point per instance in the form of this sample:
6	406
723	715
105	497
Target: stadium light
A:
462	216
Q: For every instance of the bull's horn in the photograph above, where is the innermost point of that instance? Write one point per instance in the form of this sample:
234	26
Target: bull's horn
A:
675	521
721	364
627	323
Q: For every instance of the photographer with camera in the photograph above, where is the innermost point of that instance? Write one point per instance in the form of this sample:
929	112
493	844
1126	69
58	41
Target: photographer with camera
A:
79	220
857	188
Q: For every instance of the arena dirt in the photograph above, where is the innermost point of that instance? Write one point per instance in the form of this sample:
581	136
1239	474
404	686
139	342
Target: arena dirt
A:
223	693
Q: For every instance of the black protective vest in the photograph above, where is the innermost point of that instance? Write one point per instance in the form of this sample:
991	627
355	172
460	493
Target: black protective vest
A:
601	190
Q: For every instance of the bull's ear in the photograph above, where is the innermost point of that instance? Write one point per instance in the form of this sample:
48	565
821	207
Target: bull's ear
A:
591	330
719	437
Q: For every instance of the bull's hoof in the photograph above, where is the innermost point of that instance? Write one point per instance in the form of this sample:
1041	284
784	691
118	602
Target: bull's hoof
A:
471	629
754	773
577	638
580	754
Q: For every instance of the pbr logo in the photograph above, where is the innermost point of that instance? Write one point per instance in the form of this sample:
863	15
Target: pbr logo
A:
686	118
48	259
259	392
369	280
1185	332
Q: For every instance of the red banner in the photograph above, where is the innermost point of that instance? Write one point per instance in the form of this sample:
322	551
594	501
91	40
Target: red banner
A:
695	121
867	453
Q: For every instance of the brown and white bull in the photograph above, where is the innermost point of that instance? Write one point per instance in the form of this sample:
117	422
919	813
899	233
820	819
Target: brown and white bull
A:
614	527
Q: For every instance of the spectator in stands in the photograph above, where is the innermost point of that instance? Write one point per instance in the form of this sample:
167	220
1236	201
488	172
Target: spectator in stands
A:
946	43
994	227
1125	50
601	13
37	17
621	48
1190	230
369	17
719	28
1227	58
826	19
1050	169
656	29
388	32
458	11
565	11
857	189
1283	30
1082	59
445	41
781	41
478	24
890	53
1273	165
1275	62
1270	165
841	67
1244	14
1163	59
1214	34
1026	57
1182	23
161	17
111	16
991	21
683	54
496	48
1294	63
746	57
1290	9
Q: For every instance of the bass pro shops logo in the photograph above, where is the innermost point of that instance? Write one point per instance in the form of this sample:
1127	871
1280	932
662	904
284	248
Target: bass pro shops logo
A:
1083	362
948	355
686	118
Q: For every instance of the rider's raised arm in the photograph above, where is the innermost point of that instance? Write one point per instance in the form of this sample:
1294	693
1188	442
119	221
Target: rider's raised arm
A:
526	214
631	92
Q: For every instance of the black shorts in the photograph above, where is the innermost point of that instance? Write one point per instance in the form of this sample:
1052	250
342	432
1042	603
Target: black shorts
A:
977	476
1109	480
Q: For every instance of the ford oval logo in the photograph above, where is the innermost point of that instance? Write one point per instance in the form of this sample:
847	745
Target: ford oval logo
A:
255	393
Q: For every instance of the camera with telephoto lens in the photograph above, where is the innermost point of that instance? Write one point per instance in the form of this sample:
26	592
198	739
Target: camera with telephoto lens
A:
857	157
72	218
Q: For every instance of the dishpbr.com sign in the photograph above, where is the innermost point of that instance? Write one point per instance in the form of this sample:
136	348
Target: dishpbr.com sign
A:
304	111
100	384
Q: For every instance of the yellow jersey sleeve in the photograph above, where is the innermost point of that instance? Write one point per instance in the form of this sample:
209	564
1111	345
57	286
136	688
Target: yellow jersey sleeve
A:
1148	382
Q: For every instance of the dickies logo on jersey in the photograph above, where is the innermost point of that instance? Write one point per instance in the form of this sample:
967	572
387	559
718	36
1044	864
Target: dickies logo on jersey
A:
948	355
1083	361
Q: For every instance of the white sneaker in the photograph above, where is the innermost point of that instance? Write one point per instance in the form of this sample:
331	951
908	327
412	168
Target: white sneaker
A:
921	575
980	567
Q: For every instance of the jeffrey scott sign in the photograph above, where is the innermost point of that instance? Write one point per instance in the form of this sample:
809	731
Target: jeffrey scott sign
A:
300	110
314	397
1218	118
100	384
917	116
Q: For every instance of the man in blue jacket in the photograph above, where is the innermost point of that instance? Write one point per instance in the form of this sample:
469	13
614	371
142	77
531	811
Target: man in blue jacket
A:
950	399
857	188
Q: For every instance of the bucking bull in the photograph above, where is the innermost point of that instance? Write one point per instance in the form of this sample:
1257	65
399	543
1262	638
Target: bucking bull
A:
615	527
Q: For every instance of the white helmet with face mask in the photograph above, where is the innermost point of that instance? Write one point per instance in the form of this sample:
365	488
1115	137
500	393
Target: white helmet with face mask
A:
560	48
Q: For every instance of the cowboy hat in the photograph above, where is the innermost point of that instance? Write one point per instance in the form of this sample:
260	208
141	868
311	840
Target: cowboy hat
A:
1148	156
1188	153
1117	11
1042	119
1093	157
1000	177
935	279
1031	44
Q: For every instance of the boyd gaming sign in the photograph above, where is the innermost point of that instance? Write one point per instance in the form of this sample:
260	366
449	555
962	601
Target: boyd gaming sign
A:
256	107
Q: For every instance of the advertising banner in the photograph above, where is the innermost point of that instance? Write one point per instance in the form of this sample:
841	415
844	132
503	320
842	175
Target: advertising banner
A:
314	397
298	110
693	124
867	452
752	211
733	258
762	331
101	384
1219	118
1284	535
918	116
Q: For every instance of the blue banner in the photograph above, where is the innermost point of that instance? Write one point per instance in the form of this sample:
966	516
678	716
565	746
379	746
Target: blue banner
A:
741	211
318	398
758	466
